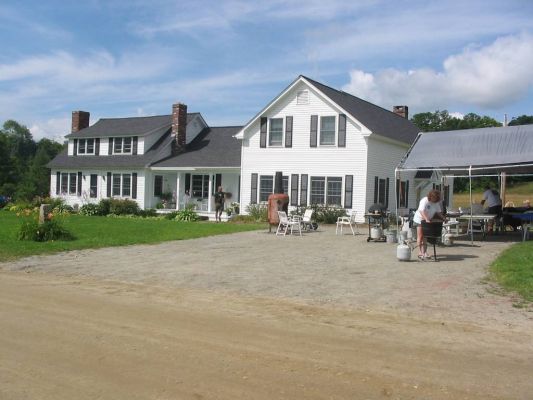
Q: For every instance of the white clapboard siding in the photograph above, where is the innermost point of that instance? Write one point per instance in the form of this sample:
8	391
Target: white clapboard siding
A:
73	199
325	161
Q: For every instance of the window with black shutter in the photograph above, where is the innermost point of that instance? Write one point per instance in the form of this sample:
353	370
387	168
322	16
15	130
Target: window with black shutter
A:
348	191
294	189
313	130
263	132
79	183
253	196
93	188
342	131
288	131
303	190
158	185
58	182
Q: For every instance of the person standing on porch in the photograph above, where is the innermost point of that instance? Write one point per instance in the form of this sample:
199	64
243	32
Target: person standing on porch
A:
186	198
219	204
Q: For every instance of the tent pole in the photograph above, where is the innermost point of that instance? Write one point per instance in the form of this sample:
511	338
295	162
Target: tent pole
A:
503	187
396	178
470	222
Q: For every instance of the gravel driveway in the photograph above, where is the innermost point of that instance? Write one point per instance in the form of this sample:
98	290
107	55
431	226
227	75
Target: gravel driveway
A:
317	268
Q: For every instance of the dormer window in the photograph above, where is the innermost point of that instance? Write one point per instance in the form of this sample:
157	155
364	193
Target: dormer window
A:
122	145
86	146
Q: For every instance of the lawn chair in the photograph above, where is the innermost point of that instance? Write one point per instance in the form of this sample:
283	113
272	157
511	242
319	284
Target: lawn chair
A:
347	221
307	224
286	223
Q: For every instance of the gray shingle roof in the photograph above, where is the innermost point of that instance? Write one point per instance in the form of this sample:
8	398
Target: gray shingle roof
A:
62	160
213	147
377	119
132	126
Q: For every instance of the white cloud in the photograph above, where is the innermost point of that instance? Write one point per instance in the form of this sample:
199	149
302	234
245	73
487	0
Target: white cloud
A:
55	128
485	77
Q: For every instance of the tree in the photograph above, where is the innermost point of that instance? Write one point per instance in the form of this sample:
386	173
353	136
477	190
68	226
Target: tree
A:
522	120
23	172
443	121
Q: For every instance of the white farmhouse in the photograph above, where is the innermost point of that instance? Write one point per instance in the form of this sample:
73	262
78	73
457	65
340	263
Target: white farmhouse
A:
333	148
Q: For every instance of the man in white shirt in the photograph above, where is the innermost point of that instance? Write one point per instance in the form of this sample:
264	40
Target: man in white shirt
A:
494	204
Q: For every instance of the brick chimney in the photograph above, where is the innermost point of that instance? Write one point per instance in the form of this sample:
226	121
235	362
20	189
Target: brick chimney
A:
80	120
179	127
402	111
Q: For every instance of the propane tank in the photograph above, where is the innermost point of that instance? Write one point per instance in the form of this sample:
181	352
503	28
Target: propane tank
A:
403	252
376	232
448	239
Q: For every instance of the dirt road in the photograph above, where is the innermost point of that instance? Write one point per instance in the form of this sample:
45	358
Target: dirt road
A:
84	338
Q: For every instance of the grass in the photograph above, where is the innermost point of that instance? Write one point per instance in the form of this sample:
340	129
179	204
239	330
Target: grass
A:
513	270
516	194
96	232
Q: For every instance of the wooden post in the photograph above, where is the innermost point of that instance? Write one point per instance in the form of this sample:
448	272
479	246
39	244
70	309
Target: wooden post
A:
44	210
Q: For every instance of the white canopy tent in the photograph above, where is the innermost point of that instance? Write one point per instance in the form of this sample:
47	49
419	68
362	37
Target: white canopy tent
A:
472	152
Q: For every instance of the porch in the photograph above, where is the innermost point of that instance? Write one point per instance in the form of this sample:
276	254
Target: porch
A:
170	189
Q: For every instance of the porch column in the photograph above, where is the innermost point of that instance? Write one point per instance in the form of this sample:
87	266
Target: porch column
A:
178	191
210	193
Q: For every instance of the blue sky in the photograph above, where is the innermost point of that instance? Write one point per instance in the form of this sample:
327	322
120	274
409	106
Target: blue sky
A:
228	59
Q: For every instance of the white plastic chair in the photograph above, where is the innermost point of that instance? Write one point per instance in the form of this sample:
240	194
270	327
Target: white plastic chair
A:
306	219
285	224
347	221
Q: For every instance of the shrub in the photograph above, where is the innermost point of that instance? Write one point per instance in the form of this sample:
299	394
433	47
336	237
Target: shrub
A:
171	215
149	212
327	214
258	212
242	219
90	209
50	230
186	215
104	206
123	207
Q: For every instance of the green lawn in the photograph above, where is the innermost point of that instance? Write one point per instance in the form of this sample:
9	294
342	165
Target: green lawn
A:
513	269
94	232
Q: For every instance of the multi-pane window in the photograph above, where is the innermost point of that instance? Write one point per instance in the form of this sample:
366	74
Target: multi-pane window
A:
64	183
116	184
72	188
285	184
334	191
85	146
266	187
327	130
93	188
275	137
200	186
126	185
318	190
326	190
121	185
122	145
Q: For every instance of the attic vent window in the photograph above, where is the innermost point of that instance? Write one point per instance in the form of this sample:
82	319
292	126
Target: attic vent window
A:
302	97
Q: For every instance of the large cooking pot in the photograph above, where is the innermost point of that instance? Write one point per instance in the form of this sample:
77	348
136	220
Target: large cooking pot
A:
432	231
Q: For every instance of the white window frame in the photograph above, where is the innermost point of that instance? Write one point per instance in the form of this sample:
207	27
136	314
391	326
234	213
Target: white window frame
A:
122	147
280	144
334	131
260	192
85	143
121	185
325	193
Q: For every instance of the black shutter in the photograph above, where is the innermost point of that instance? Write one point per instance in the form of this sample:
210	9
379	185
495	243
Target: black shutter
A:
134	185
188	182
97	147
75	147
407	194
294	189
58	182
263	134
253	196
110	150
387	194
314	127
109	184
288	131
79	183
218	181
376	189
135	145
348	191
303	190
342	130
